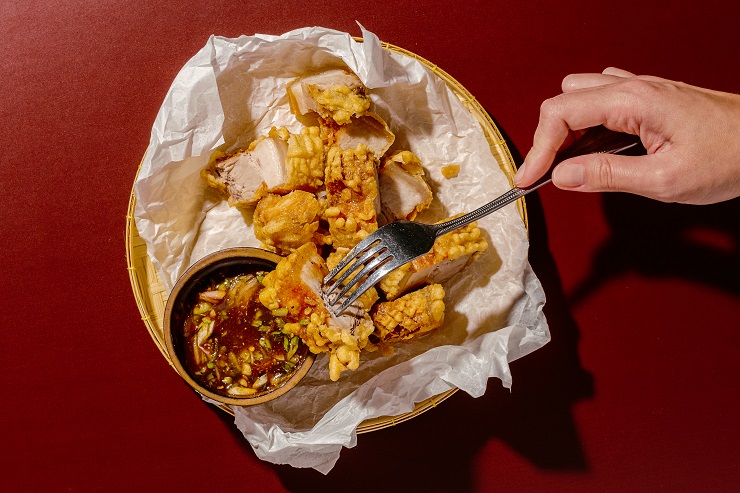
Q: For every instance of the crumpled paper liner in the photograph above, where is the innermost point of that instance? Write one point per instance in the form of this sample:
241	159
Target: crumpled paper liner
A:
232	91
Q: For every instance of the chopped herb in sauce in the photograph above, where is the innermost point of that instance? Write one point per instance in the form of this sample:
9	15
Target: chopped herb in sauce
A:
234	345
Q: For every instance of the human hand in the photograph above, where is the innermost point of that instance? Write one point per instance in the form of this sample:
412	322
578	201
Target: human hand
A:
692	137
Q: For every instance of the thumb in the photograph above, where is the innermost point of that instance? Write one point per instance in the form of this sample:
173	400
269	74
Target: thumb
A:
608	173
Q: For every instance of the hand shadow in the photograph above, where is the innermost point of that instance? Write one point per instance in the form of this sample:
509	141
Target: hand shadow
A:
655	239
437	450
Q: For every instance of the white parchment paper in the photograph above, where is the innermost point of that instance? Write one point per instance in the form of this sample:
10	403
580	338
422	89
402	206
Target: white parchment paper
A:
232	91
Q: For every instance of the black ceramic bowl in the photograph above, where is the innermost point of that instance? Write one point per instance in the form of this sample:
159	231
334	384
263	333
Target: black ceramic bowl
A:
217	267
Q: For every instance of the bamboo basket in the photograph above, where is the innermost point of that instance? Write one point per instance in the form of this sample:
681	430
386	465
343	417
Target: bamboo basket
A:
151	297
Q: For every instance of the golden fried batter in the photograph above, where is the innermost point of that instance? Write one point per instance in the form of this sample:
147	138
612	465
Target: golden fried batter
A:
410	315
295	285
284	223
352	194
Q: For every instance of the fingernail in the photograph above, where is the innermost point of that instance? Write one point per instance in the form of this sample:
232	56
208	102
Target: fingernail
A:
519	174
569	175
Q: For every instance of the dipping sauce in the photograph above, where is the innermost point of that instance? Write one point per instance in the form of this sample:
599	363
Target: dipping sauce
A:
234	346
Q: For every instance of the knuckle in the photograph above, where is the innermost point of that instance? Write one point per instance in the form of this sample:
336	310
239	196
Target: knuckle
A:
604	173
665	184
550	109
641	89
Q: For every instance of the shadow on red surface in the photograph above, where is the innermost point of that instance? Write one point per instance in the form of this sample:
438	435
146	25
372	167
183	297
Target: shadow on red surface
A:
439	450
677	241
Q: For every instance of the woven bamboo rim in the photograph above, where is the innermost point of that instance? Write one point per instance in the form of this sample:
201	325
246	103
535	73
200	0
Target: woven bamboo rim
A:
151	296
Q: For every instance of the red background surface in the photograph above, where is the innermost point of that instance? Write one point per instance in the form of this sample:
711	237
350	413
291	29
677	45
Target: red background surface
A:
636	392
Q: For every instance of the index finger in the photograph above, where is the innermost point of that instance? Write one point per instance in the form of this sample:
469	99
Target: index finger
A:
606	105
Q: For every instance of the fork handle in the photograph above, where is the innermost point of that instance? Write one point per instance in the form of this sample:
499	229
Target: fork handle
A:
596	140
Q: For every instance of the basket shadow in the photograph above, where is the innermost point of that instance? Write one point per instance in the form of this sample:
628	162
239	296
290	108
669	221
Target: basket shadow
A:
700	244
439	449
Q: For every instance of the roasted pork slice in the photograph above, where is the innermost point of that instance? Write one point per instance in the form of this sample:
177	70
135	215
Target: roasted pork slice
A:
279	162
294	287
368	129
285	222
335	94
246	175
411	315
451	254
352	195
403	191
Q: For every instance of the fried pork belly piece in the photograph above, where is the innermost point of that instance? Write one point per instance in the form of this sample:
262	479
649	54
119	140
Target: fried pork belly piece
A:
403	191
295	285
369	129
246	175
279	162
450	254
284	223
410	315
352	195
305	161
328	131
336	94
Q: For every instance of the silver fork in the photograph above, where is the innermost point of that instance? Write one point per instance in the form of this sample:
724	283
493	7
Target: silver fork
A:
400	242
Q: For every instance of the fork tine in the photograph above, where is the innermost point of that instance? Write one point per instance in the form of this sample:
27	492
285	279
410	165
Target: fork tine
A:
375	263
369	282
353	266
351	255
